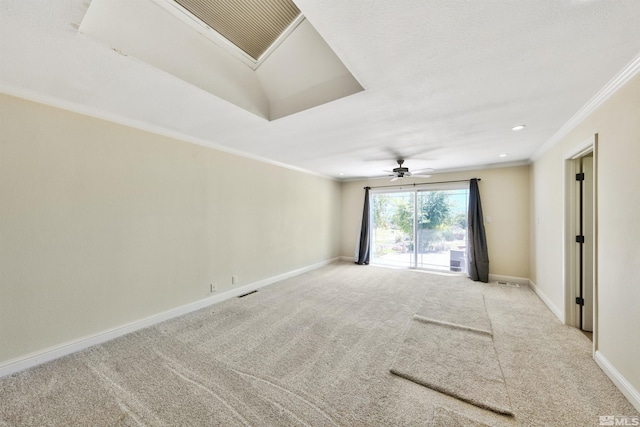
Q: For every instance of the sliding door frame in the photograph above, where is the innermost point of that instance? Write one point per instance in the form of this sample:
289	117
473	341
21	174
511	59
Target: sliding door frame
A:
415	189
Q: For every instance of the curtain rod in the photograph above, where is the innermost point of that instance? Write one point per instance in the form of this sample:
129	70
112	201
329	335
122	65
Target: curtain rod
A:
422	183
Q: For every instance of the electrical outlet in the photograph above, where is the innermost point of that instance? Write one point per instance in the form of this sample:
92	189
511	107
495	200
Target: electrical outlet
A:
213	288
234	280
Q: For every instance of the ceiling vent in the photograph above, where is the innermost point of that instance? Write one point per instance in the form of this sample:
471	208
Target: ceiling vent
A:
251	25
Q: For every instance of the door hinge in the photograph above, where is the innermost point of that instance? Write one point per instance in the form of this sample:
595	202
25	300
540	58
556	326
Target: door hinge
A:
580	176
579	239
579	301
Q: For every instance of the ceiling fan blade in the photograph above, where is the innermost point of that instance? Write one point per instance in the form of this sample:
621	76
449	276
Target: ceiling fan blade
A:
395	153
423	170
395	178
421	176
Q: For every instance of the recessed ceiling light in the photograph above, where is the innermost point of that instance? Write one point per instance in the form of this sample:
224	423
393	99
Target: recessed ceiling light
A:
502	155
341	173
519	127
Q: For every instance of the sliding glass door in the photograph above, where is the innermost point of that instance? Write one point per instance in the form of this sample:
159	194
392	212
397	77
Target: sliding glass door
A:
392	234
442	229
424	228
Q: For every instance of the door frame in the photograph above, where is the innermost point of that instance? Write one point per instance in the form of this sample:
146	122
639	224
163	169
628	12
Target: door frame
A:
571	310
415	188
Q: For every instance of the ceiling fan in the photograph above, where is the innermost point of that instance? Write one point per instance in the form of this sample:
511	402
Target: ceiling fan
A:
402	172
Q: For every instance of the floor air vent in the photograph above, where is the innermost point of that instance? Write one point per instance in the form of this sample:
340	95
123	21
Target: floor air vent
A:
248	293
509	284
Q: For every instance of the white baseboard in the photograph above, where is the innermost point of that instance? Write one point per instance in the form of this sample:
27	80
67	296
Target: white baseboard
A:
42	356
510	279
554	309
623	385
347	258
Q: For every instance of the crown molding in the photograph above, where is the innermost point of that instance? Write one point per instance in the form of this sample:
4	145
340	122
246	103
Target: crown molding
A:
626	74
97	113
513	164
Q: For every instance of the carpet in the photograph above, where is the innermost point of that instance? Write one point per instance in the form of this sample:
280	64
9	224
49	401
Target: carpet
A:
456	361
443	417
312	350
449	348
461	305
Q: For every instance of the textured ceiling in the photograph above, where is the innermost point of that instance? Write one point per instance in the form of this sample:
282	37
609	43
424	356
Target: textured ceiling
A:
445	81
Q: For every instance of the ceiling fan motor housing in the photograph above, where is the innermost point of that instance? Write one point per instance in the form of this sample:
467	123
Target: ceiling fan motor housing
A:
401	170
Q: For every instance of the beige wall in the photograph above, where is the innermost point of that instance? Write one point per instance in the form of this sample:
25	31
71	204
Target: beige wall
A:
617	123
102	224
504	194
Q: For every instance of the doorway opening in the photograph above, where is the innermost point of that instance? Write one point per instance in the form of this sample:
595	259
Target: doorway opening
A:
421	228
581	238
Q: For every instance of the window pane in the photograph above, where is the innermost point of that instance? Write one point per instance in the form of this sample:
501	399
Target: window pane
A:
392	229
442	229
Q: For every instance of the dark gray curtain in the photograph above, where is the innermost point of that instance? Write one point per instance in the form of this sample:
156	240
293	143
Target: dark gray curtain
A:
478	255
364	246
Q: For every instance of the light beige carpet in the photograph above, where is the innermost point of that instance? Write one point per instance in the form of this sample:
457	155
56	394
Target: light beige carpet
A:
443	417
458	304
456	361
449	348
314	350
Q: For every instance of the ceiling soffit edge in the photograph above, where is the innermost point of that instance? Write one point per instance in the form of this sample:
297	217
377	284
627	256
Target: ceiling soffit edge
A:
175	8
169	41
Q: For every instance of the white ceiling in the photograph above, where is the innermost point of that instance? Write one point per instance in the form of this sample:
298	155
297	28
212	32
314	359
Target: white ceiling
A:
445	81
286	82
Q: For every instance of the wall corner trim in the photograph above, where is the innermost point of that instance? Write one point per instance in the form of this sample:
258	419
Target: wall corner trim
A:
621	382
545	299
620	79
46	355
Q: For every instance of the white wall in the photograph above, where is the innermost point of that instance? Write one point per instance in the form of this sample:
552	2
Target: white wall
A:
504	193
617	123
102	224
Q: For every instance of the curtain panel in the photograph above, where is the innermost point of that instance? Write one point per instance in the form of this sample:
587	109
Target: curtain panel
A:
478	255
363	248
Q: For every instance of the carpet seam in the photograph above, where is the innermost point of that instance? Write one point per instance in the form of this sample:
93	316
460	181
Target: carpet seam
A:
423	319
426	320
506	388
444	390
